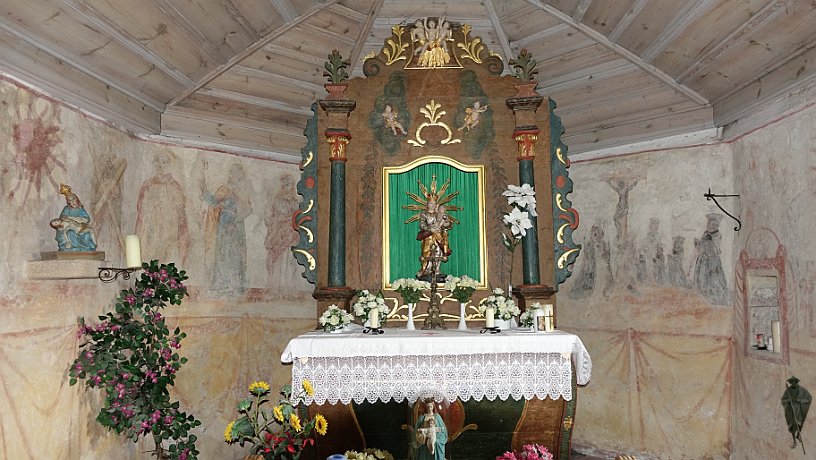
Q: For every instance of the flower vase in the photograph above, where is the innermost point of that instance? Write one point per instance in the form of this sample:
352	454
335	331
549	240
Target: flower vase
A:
410	324
462	323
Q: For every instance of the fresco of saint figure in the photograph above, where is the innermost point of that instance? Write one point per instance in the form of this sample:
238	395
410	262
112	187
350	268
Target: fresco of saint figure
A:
707	272
281	267
161	214
225	233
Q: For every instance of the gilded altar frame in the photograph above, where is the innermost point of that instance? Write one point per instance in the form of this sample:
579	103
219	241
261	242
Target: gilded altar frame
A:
387	172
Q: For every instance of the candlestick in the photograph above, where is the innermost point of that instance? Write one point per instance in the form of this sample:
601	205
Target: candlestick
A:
490	319
133	252
776	337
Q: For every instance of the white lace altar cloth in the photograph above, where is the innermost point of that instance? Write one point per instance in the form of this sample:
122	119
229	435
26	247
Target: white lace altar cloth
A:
407	365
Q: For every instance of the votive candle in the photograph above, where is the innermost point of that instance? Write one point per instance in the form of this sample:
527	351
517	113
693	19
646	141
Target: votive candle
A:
549	315
133	251
490	318
374	318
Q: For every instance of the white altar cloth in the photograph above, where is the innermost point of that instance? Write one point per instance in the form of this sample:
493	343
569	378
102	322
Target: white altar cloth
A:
450	364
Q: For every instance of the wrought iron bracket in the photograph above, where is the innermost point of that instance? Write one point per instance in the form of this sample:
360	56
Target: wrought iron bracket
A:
110	274
713	197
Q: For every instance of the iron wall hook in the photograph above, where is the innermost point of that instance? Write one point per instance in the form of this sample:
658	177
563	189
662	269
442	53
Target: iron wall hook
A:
713	197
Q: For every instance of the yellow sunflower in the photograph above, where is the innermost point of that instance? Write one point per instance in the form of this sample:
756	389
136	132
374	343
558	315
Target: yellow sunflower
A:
308	388
259	388
321	425
294	420
277	412
228	431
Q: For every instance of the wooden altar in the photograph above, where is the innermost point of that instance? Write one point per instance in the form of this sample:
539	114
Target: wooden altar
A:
436	104
368	384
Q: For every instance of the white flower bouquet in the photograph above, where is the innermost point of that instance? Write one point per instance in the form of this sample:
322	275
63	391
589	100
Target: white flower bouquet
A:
527	318
462	288
503	306
334	318
522	199
410	289
366	302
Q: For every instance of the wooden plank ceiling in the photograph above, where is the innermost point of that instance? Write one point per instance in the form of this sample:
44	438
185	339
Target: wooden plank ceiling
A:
242	74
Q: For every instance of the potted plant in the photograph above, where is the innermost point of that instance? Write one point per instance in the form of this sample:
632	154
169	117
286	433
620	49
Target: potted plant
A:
528	452
279	434
130	355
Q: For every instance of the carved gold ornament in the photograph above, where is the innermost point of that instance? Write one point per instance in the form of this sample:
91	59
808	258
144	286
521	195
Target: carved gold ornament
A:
568	423
471	49
338	144
433	114
526	145
394	51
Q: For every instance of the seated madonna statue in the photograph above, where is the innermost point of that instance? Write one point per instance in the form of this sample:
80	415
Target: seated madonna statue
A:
73	230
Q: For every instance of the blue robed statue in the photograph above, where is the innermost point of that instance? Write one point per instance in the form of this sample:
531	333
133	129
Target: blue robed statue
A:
73	225
431	434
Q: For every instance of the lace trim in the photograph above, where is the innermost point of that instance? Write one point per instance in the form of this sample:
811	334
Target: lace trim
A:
464	377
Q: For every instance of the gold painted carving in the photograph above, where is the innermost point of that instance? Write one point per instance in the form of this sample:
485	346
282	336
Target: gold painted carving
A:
309	233
471	50
338	146
312	263
559	199
308	160
559	155
433	114
568	423
526	145
563	259
395	50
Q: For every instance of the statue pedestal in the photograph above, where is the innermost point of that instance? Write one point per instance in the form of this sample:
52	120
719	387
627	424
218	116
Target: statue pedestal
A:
72	255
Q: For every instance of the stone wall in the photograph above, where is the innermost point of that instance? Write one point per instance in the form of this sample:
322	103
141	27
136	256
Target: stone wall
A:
651	297
774	170
223	218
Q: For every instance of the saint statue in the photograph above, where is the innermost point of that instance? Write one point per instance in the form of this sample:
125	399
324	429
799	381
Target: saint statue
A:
434	225
431	434
73	230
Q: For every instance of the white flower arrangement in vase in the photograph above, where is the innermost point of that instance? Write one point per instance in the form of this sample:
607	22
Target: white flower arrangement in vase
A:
410	289
334	319
503	306
527	319
366	302
523	202
462	288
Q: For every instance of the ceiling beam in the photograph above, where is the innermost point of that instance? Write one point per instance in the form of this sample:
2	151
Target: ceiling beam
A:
581	10
239	17
255	100
541	34
169	8
327	34
294	54
762	17
277	32
621	51
285	8
627	19
269	76
679	23
71	59
365	30
99	21
354	15
584	76
503	40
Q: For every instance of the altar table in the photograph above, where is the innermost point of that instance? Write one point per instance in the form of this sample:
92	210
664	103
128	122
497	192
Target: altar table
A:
445	364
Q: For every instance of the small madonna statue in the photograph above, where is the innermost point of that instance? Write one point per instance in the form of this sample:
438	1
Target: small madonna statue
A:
431	434
73	225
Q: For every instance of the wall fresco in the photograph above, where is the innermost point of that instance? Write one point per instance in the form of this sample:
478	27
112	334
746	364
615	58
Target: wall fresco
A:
243	308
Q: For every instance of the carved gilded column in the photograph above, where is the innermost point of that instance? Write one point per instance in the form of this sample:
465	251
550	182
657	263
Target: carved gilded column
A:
526	134
337	135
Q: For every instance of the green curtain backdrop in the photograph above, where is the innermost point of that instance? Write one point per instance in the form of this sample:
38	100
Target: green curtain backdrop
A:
404	249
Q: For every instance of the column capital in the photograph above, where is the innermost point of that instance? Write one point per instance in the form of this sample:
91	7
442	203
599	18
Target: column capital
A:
337	139
526	139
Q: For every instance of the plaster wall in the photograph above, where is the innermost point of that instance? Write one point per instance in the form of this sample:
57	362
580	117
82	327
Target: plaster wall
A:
651	298
774	170
223	218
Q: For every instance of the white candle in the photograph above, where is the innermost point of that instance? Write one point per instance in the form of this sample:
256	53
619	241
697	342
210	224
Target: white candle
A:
776	337
374	318
549	314
490	319
133	252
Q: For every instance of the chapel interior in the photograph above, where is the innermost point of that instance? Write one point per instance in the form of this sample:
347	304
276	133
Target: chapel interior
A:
674	144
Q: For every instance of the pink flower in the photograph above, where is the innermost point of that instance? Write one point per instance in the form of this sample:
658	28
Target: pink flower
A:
168	419
148	292
131	299
184	454
166	353
175	343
